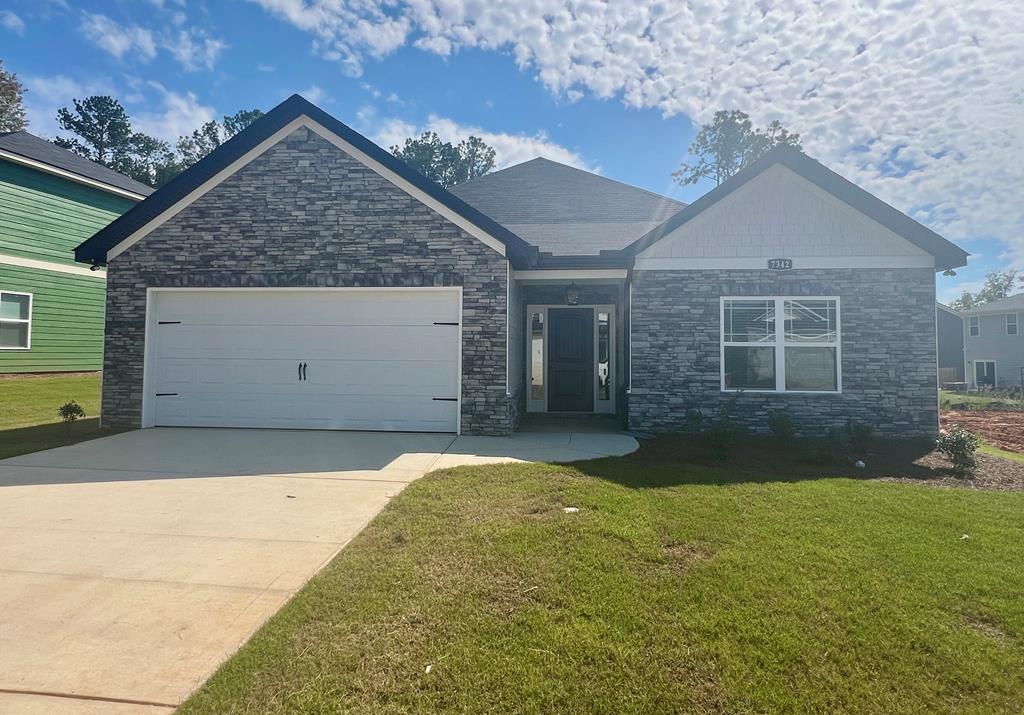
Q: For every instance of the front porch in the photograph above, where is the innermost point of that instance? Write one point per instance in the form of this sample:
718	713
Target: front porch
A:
568	350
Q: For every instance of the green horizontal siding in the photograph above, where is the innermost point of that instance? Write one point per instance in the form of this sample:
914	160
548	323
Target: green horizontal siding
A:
43	216
67	321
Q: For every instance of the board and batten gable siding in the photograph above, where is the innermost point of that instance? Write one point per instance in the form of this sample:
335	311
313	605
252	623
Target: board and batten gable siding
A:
886	291
779	214
992	343
44	217
306	214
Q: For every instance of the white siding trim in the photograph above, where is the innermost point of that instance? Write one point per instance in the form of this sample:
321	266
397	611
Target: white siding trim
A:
276	137
52	266
70	176
760	263
570	274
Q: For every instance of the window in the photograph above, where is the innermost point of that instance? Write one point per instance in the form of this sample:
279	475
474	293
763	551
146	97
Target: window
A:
781	344
15	321
604	353
537	356
1011	324
974	326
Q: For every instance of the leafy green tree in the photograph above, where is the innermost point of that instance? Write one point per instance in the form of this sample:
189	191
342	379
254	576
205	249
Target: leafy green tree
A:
151	161
727	144
998	285
446	163
12	107
211	135
101	128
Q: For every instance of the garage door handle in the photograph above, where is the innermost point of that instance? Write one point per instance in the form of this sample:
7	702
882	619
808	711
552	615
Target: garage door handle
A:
302	372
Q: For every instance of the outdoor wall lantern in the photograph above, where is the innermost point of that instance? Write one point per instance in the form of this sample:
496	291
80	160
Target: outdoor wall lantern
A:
572	295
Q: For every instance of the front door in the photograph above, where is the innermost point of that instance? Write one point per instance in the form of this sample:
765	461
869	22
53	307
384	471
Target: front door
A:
571	360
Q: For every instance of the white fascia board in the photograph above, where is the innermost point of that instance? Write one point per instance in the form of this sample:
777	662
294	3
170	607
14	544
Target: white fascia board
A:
570	274
761	263
70	176
52	266
320	130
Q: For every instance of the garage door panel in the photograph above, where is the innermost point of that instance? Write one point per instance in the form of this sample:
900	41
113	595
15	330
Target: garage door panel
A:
372	360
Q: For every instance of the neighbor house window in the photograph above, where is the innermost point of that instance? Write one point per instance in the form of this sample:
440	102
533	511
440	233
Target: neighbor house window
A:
15	321
781	344
974	326
1011	324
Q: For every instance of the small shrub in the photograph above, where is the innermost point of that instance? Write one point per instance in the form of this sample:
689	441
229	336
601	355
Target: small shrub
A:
959	445
693	420
833	448
859	436
721	437
781	426
70	411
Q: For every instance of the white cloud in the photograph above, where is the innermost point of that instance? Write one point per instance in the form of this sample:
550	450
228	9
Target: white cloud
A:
935	87
178	114
12	22
314	93
193	48
46	95
509	149
118	39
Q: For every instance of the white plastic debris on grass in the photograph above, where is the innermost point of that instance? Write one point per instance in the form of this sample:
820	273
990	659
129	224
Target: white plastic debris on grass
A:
964	536
571	509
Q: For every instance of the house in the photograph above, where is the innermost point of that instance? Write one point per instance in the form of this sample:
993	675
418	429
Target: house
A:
994	343
301	276
949	326
51	308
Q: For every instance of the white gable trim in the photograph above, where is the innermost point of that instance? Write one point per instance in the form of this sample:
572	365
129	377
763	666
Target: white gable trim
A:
21	262
364	159
70	176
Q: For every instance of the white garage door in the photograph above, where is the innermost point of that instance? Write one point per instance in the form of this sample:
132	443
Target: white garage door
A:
359	359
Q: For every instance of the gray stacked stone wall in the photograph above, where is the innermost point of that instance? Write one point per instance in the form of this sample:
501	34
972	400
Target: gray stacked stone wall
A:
888	358
305	214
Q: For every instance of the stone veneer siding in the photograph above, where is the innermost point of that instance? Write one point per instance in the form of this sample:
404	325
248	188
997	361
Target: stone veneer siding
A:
305	214
887	320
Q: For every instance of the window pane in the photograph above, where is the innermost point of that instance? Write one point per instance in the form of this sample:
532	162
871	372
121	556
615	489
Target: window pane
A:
811	369
537	356
14	307
1011	324
749	321
811	321
749	368
603	357
13	335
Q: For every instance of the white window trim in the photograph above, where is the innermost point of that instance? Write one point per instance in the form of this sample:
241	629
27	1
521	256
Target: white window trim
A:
973	324
28	344
1016	326
779	344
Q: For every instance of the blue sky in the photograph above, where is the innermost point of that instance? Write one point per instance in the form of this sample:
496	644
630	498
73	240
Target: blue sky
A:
615	88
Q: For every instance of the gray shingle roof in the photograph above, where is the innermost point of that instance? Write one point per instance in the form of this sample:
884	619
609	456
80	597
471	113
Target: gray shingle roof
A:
566	211
32	147
1006	305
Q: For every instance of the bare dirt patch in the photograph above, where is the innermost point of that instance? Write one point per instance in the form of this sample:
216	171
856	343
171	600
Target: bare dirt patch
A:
683	555
1004	429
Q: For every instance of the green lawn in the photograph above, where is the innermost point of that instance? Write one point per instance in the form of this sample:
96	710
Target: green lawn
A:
978	402
992	449
28	412
674	589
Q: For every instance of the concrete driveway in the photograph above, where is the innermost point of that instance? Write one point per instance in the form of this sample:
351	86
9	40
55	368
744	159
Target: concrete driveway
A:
131	566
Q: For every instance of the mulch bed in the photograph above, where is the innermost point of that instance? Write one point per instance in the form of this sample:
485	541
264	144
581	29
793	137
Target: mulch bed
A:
902	461
1004	429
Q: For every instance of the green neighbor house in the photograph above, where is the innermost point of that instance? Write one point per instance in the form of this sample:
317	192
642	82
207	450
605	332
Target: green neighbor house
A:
51	309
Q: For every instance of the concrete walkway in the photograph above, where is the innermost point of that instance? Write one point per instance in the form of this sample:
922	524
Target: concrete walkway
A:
132	566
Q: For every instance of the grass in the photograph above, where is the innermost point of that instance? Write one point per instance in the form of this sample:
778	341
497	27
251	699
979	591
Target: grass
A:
675	589
28	412
996	451
976	401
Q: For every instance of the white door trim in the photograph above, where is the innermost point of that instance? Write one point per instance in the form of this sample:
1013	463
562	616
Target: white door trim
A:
598	407
152	295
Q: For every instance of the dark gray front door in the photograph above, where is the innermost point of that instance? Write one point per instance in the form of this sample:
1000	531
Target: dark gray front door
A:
571	360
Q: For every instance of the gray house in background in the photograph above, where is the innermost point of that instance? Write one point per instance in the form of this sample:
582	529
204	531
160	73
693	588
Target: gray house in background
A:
949	325
994	343
301	276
